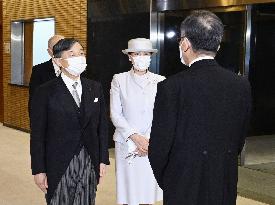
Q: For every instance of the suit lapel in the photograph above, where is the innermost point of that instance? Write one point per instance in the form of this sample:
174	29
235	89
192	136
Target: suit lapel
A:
66	100
68	104
87	98
50	70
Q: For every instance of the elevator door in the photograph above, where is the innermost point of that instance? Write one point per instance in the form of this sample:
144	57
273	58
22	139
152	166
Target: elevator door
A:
231	53
262	69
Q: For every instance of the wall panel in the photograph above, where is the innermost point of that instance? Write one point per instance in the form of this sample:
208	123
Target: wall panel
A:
71	21
1	67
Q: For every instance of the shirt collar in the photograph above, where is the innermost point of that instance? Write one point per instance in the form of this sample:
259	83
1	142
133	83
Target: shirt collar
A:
200	58
69	81
146	75
57	70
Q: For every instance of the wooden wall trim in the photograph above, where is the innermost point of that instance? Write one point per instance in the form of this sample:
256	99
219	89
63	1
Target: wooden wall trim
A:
1	67
28	51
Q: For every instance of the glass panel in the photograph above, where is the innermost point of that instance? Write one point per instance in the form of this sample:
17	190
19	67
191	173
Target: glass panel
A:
260	152
40	39
17	53
262	72
230	55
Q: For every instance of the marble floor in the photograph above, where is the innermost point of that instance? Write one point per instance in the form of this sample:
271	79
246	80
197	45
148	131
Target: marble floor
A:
17	187
260	150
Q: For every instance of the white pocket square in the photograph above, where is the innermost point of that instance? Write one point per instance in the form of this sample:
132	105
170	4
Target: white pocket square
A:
96	100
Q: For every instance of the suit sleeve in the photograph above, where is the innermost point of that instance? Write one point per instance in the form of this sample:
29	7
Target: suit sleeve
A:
163	129
116	110
103	131
34	83
247	115
38	131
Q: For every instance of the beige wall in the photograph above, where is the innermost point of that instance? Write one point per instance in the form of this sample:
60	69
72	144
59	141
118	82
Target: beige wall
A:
71	21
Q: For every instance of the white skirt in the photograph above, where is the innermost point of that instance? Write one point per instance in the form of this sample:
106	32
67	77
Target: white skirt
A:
135	182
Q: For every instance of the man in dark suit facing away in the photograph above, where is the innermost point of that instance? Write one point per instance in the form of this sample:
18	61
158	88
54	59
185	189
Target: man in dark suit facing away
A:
46	71
200	121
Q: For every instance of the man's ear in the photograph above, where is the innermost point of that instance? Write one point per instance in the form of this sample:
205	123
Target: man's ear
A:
58	62
186	44
50	52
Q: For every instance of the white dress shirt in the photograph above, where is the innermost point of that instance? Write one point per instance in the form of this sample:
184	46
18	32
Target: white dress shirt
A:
200	58
69	84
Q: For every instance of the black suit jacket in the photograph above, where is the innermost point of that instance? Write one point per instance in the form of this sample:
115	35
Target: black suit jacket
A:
59	128
200	121
41	74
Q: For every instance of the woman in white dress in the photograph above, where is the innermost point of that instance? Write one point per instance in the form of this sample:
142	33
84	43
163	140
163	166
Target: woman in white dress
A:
132	98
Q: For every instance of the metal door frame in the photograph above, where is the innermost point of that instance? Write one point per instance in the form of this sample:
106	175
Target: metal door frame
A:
157	38
170	5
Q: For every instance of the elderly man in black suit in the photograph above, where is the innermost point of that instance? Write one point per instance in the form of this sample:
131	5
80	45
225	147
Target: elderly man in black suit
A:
46	71
69	139
200	121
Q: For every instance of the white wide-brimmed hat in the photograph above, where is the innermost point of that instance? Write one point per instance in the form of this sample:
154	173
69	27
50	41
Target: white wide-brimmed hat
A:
138	45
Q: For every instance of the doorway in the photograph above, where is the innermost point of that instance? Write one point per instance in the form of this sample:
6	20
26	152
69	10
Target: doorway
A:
261	144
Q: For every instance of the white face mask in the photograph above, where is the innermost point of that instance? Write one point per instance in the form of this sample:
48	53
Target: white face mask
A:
76	65
141	63
181	56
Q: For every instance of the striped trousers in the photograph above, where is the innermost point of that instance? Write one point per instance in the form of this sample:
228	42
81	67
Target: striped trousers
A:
78	185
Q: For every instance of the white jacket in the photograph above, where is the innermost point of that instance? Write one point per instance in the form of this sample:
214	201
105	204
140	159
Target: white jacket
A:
132	104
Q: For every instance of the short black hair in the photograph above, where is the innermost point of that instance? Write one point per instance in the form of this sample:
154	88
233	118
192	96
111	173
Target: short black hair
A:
63	45
203	29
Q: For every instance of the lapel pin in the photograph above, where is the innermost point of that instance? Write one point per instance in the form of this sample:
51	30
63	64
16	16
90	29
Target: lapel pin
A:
96	100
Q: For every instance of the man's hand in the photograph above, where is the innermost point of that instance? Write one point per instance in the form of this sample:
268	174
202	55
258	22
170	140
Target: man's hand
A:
102	172
41	181
141	142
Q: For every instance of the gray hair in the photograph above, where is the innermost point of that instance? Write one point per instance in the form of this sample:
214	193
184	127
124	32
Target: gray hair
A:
204	30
